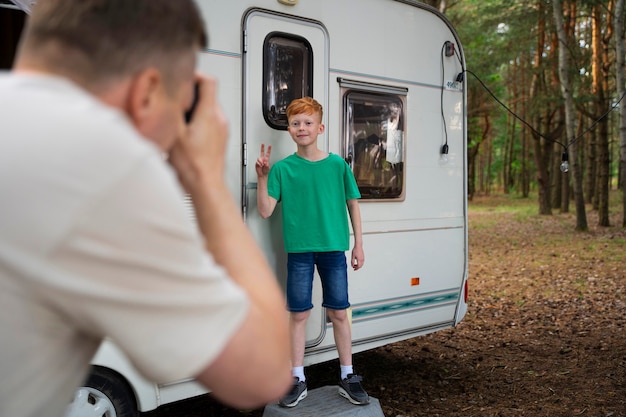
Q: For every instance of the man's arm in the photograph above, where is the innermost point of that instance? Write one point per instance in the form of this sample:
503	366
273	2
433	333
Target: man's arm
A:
358	256
254	368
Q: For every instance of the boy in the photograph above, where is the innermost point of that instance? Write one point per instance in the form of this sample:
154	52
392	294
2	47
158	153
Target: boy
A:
314	188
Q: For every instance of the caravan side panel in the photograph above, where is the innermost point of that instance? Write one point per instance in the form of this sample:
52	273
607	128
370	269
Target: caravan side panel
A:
415	272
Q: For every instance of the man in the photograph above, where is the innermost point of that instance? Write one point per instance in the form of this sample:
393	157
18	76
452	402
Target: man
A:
95	240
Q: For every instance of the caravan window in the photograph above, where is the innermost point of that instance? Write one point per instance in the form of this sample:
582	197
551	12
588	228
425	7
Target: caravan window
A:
287	75
374	141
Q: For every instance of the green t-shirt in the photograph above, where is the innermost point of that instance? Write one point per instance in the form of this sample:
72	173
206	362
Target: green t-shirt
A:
313	197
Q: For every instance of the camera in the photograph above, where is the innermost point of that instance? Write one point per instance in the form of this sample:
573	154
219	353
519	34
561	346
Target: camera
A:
189	113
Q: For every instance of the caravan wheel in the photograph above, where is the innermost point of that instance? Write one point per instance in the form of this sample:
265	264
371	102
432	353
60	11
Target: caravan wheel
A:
105	394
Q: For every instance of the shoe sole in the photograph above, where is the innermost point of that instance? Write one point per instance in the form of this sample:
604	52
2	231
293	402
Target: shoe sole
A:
344	394
297	401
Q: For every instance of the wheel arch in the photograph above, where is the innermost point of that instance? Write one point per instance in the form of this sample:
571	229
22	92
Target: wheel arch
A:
110	357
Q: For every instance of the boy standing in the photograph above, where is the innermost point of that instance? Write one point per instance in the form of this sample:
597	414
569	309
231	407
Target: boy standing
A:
314	188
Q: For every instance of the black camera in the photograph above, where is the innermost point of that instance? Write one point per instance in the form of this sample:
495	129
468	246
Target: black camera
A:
189	113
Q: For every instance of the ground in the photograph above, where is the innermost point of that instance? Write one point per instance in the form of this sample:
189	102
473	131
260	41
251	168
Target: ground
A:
545	332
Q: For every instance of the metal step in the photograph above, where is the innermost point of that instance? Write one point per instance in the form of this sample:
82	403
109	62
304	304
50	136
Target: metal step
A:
325	402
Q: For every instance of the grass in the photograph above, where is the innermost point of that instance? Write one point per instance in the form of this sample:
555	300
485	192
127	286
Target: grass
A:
530	206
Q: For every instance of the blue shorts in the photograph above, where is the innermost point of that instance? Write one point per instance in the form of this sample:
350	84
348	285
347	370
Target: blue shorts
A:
333	271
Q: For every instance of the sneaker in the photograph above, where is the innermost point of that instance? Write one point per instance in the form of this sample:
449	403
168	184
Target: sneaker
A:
297	393
351	389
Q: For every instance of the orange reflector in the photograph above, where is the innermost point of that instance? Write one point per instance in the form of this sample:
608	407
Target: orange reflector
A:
415	281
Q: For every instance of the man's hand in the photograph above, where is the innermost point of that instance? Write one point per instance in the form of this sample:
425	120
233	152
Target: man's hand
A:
199	153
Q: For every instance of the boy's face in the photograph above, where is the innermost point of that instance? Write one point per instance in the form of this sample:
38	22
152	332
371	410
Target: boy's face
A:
304	128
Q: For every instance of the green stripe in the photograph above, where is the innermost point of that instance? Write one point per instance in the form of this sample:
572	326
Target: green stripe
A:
403	305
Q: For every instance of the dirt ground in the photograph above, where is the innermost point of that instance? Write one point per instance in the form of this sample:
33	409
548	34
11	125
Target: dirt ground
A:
544	334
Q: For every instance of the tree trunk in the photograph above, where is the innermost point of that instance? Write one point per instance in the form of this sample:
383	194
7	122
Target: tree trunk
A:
590	147
557	178
471	170
600	67
564	193
488	149
440	5
541	148
524	168
510	141
604	161
620	79
564	66
509	157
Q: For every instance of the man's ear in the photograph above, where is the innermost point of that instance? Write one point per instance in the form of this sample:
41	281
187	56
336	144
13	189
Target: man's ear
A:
143	96
322	127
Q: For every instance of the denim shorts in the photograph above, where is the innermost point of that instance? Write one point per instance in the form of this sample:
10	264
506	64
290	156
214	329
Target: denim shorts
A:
333	271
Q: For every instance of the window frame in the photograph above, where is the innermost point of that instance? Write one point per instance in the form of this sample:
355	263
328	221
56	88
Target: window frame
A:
351	89
271	117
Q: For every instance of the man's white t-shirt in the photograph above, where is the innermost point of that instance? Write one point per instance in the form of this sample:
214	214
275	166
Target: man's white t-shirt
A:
95	241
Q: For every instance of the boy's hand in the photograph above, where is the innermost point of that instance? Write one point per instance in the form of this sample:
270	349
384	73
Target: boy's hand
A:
263	162
265	203
358	258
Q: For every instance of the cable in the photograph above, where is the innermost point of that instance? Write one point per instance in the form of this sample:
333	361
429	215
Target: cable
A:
512	112
444	147
567	144
459	77
595	122
564	157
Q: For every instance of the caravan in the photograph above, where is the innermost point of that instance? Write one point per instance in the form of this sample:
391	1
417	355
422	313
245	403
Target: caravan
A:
389	74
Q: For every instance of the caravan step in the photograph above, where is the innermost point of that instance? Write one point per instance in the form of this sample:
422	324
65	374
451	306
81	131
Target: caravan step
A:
326	402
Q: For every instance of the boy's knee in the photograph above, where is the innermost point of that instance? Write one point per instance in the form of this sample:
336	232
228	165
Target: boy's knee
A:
299	316
337	315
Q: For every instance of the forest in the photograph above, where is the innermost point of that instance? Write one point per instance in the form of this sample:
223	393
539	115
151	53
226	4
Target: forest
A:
545	100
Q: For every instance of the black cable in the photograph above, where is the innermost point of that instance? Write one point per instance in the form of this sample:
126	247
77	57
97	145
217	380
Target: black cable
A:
565	146
511	111
595	122
459	78
564	156
444	148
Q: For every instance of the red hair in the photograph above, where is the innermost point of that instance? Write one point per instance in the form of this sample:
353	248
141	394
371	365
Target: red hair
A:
304	105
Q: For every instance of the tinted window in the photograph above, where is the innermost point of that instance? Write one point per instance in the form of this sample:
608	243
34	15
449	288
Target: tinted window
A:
374	129
287	75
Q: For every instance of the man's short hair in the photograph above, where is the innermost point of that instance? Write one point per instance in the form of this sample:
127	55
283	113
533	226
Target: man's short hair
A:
99	40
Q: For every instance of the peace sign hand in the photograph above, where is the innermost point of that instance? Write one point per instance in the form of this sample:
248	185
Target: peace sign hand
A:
263	162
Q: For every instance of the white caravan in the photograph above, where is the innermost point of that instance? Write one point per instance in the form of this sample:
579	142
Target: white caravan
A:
389	74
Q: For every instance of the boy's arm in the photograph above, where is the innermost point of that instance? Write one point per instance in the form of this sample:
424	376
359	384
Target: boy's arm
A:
265	204
358	256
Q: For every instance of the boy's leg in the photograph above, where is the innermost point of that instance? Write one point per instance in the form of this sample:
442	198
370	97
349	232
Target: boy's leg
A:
343	335
300	269
299	288
332	267
297	328
333	270
298	391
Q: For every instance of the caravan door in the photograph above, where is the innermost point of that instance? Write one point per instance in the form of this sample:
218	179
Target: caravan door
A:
285	57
